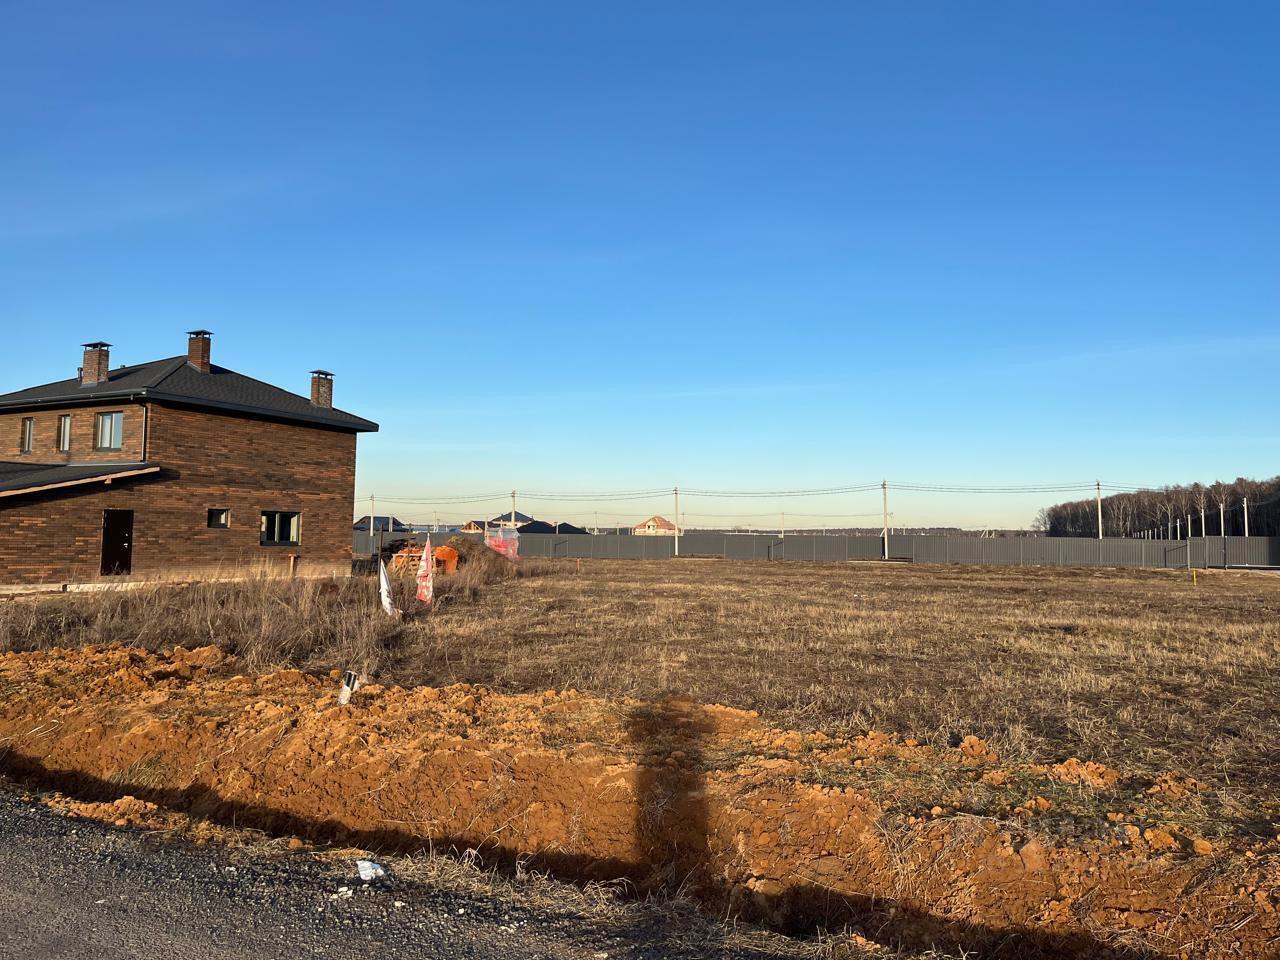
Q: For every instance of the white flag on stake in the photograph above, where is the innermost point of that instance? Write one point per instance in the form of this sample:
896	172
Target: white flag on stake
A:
426	573
384	590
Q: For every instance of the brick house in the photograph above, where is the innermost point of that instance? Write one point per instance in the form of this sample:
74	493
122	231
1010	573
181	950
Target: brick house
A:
176	467
654	527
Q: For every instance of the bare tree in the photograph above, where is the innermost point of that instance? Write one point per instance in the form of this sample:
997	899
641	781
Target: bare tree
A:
1130	514
1199	499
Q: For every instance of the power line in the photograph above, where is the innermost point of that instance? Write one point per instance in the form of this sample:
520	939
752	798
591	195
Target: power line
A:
655	493
820	492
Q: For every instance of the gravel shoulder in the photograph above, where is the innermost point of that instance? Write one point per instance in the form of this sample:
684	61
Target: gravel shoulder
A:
77	888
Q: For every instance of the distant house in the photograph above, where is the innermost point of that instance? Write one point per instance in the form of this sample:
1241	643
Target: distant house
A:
504	520
541	526
655	526
381	525
537	526
512	518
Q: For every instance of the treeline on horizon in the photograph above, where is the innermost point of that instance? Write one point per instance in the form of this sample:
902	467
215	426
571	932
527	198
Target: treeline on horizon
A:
1165	512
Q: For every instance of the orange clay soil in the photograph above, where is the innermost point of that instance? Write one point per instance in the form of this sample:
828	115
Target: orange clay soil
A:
912	845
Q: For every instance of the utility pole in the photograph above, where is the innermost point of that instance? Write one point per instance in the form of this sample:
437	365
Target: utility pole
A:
1246	516
1222	520
676	491
884	493
782	530
373	547
597	527
1097	486
1178	529
513	508
1203	532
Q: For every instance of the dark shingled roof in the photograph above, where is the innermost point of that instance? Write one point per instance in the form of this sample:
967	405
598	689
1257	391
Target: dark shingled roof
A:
175	381
536	526
380	525
506	518
541	526
16	478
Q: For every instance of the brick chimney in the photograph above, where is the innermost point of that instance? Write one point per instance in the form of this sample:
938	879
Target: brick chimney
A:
96	357
322	389
198	349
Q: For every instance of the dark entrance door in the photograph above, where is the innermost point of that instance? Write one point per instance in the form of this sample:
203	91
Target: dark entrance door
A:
117	542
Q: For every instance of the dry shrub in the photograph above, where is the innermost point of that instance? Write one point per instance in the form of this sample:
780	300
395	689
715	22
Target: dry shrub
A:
267	623
481	560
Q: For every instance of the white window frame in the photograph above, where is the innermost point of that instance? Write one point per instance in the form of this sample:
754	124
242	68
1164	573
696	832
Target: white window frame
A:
64	433
114	433
26	438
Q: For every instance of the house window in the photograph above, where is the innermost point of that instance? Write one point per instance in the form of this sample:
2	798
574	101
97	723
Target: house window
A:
279	529
64	433
28	431
219	518
108	430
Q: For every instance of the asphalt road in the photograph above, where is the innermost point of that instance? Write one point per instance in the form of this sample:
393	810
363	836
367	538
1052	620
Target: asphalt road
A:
82	890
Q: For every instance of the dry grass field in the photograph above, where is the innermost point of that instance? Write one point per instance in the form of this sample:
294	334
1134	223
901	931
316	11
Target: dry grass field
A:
1151	673
1143	670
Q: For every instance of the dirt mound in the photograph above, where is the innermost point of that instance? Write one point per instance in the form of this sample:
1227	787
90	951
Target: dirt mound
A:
479	562
796	829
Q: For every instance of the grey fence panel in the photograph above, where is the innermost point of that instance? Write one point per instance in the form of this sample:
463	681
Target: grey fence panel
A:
900	546
703	544
797	547
535	545
1120	553
1172	554
1253	551
361	546
658	548
830	549
1237	551
811	547
1198	552
863	548
575	545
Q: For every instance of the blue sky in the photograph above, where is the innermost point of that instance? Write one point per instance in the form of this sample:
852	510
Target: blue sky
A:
599	246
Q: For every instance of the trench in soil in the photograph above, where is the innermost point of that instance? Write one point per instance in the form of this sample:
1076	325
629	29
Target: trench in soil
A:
774	826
